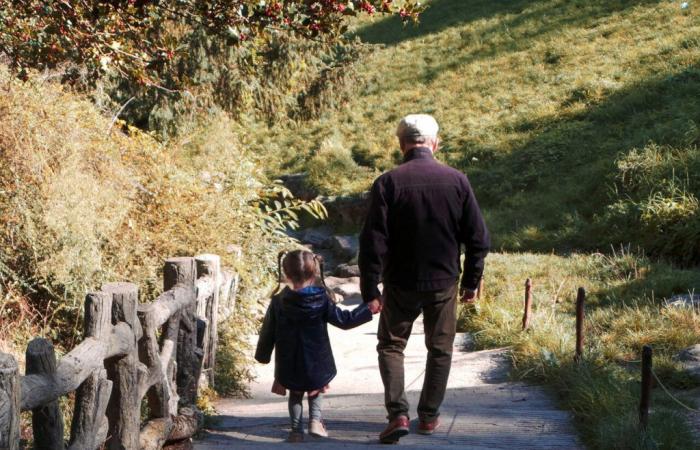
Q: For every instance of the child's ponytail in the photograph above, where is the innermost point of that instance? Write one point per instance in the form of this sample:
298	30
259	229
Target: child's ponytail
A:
280	257
330	293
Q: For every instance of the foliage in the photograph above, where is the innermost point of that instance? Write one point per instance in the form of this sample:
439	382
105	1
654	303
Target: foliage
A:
537	101
141	40
270	79
84	203
332	169
625	309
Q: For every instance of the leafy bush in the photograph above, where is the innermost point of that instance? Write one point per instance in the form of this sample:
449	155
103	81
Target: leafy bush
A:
332	169
84	203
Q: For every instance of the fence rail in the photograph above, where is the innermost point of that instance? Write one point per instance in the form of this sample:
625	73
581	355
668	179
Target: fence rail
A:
161	352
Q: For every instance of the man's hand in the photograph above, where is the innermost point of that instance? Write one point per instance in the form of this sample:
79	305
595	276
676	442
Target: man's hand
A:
375	305
467	296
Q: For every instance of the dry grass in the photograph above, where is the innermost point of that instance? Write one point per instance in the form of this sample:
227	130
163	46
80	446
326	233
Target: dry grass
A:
626	309
81	206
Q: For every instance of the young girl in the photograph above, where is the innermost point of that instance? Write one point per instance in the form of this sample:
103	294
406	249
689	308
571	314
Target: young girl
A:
295	325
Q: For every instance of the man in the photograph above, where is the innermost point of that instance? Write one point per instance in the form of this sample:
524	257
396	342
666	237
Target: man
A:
420	213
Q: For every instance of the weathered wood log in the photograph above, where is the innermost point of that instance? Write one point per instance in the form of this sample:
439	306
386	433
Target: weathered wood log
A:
75	367
210	266
185	444
124	408
156	384
186	424
155	433
47	420
125	303
178	271
9	402
170	302
205	288
168	361
181	272
90	425
227	294
98	314
161	431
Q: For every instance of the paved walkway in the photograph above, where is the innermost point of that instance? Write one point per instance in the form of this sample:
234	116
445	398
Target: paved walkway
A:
482	409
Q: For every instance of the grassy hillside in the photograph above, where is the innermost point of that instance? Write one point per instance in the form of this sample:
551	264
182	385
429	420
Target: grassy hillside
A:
550	107
578	123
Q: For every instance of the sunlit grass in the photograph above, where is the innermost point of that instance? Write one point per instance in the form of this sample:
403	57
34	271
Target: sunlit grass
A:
626	309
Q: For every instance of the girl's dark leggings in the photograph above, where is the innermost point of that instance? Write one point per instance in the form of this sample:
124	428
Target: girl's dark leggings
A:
296	409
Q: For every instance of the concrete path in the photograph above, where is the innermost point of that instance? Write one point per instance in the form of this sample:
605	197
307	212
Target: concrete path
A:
482	409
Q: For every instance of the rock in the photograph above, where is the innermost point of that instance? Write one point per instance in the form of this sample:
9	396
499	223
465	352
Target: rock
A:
684	301
297	183
333	282
690	360
347	271
348	210
344	247
347	289
318	237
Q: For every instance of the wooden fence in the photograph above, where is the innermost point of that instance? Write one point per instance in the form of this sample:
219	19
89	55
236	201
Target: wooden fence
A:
161	352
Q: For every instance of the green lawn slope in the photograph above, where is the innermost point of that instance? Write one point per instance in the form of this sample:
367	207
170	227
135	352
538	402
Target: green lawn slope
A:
551	107
578	123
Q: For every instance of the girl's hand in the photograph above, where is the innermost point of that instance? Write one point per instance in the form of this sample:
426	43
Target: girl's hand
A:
375	305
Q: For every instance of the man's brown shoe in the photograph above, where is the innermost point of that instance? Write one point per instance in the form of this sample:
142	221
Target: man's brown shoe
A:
396	429
428	427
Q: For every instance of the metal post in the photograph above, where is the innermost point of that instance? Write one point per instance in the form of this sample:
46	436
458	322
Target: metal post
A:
580	316
646	387
528	304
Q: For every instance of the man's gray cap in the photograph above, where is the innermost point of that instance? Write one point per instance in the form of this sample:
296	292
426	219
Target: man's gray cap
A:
414	125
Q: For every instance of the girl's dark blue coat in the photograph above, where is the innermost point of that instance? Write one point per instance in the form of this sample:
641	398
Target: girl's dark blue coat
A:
295	326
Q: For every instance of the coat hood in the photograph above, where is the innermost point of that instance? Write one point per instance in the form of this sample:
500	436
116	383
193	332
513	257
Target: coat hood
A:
306	303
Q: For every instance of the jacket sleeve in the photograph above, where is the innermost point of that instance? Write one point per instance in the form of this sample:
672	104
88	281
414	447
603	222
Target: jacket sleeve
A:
373	243
476	239
347	319
266	338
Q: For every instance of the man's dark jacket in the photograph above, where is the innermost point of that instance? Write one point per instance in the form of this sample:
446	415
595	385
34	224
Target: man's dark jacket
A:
295	326
419	215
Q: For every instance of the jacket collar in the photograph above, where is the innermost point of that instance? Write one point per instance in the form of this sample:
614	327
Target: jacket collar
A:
418	153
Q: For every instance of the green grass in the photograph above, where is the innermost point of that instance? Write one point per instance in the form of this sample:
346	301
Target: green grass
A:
625	309
537	100
578	123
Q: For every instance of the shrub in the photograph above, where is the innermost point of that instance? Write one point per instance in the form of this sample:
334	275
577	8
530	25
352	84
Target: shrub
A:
84	203
332	168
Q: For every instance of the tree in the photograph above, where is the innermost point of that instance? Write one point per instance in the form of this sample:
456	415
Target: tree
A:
139	40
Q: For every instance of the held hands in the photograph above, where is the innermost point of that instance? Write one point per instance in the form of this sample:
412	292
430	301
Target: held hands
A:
375	306
467	295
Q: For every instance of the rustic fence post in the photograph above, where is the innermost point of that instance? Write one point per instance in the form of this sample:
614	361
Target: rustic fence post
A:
47	421
210	265
9	402
645	401
89	427
580	316
528	304
182	271
124	409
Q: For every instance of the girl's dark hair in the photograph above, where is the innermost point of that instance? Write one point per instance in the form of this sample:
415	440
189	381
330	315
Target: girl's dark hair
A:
299	266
